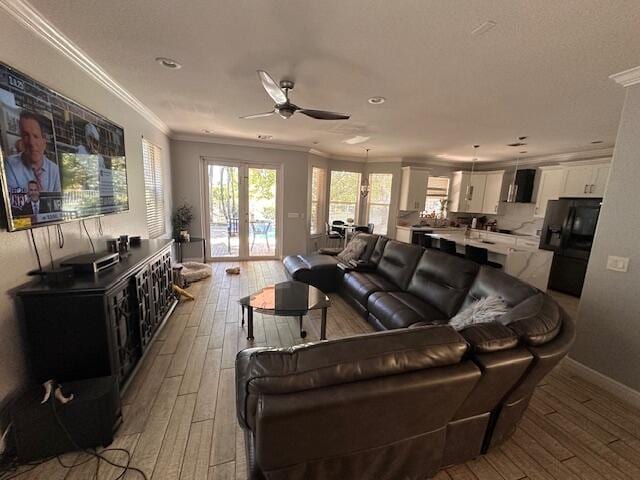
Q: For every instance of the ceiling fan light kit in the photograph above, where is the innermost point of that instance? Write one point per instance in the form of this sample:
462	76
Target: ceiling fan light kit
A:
279	93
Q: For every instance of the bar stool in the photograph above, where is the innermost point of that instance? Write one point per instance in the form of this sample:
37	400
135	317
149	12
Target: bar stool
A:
479	255
447	246
426	241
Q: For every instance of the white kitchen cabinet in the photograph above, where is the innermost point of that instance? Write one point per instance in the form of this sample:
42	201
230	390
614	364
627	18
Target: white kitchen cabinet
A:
413	188
585	180
600	178
484	190
577	180
549	188
492	191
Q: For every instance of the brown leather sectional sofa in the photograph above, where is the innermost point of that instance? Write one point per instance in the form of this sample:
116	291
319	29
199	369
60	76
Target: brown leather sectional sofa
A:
405	402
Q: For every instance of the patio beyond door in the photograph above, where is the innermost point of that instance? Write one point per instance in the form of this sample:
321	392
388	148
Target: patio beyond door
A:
242	210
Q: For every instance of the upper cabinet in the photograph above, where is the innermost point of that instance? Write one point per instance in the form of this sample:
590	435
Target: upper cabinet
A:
578	180
549	187
585	180
484	190
413	189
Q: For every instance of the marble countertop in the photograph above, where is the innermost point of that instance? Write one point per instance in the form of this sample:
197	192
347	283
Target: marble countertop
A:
499	248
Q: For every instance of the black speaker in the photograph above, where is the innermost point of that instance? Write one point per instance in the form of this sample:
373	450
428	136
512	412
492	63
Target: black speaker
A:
91	419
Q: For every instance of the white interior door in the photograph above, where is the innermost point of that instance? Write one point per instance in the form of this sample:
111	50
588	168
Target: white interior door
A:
242	205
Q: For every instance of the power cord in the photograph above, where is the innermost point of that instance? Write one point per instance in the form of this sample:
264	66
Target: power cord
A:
93	249
60	236
35	247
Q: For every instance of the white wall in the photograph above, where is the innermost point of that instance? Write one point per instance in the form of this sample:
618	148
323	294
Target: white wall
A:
24	51
188	183
608	338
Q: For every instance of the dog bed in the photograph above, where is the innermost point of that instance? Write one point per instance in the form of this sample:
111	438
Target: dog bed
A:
194	271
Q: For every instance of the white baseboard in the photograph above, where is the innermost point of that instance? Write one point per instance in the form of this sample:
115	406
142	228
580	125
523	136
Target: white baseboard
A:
624	393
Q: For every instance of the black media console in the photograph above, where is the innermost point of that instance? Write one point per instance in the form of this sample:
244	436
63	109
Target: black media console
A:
99	324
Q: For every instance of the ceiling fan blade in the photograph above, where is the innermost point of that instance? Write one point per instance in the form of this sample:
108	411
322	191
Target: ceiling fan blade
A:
272	88
324	115
259	115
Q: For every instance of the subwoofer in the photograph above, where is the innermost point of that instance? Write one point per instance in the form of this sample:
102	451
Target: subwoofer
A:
41	430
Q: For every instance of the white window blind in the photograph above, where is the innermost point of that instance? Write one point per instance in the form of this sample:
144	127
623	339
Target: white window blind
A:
153	188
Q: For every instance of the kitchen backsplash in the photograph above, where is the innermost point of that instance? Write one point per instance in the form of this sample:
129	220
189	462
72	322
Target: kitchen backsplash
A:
517	217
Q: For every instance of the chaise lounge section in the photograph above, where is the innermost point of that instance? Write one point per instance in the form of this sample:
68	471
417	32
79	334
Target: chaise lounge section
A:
416	396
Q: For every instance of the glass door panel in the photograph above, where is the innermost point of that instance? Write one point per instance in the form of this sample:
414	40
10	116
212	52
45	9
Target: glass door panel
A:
262	211
224	210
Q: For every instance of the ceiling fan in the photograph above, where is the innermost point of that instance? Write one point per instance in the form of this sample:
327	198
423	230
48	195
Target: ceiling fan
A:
283	107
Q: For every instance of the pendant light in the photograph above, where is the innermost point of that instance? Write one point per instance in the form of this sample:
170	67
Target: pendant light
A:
512	194
365	188
469	192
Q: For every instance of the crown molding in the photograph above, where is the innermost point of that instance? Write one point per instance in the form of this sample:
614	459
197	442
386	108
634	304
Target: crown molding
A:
33	20
627	77
592	154
239	142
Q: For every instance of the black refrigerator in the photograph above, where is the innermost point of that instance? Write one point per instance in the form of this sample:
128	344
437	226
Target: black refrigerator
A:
568	231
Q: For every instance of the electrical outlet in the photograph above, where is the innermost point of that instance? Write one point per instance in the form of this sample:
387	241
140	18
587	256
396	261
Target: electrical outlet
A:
617	264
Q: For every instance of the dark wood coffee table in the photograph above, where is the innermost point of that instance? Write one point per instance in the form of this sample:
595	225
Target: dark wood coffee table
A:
290	299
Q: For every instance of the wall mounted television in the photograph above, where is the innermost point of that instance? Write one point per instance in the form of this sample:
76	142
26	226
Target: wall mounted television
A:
59	161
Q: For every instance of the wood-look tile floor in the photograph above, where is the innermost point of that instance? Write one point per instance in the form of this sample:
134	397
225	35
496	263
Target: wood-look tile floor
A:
180	412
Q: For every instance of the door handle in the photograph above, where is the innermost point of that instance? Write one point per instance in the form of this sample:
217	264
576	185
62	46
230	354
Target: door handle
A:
585	188
592	188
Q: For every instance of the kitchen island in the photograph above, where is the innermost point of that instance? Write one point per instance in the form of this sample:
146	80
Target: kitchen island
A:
522	260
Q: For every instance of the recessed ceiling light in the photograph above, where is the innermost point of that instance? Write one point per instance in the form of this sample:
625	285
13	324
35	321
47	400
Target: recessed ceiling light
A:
595	142
168	63
524	151
265	137
376	100
204	130
356	140
483	27
315	143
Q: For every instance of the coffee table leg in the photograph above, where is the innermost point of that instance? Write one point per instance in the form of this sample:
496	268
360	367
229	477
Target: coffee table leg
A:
303	333
323	325
250	323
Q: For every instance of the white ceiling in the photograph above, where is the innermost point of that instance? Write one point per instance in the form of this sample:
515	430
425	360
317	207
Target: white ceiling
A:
542	71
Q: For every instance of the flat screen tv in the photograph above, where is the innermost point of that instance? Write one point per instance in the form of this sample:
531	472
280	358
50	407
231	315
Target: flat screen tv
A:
59	161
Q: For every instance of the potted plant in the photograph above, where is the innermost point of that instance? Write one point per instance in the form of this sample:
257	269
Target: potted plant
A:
182	219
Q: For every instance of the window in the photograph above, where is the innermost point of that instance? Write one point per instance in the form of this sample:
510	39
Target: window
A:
153	189
437	192
316	215
379	201
343	196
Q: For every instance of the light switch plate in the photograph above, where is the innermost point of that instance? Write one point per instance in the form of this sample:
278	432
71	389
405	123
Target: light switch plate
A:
293	215
617	264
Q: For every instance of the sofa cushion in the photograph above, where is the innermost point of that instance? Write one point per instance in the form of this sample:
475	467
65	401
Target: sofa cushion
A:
490	337
371	241
492	282
378	249
443	280
398	262
360	285
536	321
401	309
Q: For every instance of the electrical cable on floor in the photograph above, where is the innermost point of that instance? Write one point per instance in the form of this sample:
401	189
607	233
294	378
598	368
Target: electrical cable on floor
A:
93	249
35	247
10	472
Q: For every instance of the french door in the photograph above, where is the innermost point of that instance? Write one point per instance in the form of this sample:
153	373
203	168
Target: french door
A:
242	210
